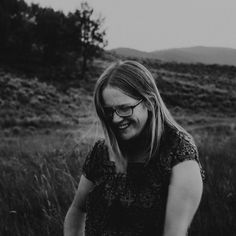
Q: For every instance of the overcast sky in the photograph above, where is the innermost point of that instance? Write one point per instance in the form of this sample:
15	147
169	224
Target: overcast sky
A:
150	25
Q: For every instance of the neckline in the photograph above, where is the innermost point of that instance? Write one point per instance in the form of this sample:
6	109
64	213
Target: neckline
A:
136	162
129	163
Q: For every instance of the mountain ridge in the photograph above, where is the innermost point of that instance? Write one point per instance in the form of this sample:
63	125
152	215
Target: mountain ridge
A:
195	54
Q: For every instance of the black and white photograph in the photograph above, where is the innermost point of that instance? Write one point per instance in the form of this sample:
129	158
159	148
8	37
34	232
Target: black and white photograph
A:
117	118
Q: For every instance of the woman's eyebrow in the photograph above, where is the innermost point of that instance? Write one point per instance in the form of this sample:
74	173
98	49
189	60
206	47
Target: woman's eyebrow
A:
120	105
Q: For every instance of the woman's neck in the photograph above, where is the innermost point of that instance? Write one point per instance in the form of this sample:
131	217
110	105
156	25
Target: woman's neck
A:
137	149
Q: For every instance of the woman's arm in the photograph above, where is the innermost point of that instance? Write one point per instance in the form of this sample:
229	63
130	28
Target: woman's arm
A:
185	191
75	217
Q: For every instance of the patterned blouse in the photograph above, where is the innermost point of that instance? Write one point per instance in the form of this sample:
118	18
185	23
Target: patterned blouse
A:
133	203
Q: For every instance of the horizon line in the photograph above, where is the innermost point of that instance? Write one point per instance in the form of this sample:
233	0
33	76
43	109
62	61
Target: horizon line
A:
170	48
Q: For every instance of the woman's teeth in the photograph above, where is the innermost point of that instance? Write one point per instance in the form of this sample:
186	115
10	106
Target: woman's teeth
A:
123	126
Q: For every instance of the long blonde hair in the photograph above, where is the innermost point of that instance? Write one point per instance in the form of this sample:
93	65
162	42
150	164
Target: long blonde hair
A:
136	81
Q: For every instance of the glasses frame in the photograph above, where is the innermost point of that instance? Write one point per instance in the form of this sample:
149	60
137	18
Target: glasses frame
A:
116	110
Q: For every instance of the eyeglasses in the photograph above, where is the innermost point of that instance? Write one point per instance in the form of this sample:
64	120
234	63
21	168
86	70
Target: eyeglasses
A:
122	111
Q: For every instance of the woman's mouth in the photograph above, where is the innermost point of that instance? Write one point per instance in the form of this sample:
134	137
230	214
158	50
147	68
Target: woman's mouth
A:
123	126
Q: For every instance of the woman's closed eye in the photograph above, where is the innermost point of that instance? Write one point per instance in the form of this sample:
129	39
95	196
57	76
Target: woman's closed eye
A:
121	110
118	109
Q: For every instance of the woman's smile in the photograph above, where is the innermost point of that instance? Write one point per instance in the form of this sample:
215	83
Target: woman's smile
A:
123	126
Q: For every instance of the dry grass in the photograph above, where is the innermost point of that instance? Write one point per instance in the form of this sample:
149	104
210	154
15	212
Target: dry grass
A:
37	186
217	213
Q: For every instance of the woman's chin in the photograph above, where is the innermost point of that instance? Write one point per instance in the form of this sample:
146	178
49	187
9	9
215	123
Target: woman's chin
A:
127	136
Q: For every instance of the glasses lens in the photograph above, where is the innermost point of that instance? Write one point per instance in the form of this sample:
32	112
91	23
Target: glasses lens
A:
124	111
120	111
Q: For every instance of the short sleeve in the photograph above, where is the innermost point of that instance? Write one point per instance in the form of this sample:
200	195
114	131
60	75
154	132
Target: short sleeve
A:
92	164
186	149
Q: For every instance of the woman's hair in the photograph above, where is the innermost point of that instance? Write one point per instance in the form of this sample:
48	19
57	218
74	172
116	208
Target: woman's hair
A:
136	81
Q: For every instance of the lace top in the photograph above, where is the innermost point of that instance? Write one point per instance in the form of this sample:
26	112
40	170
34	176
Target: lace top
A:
133	203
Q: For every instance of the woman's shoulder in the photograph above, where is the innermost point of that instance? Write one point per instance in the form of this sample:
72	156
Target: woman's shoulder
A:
95	159
99	144
179	146
176	146
175	139
98	149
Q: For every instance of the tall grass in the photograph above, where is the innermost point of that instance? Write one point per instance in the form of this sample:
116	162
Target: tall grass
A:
217	212
36	188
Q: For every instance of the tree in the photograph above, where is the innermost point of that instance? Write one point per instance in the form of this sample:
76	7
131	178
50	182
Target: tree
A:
92	35
17	31
12	14
30	35
49	34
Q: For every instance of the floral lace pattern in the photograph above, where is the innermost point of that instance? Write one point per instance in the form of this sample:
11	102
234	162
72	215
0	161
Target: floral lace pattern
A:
133	204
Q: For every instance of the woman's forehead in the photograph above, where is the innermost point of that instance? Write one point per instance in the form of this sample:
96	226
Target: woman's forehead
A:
115	97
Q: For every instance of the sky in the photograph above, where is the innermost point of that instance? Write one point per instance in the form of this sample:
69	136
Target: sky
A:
150	25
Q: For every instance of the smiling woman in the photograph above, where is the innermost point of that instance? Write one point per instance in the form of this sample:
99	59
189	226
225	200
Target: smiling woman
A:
145	177
128	120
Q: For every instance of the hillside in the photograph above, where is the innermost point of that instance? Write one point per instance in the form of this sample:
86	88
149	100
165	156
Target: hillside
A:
197	95
197	87
199	54
29	104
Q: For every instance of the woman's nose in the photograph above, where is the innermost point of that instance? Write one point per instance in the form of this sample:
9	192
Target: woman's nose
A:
116	118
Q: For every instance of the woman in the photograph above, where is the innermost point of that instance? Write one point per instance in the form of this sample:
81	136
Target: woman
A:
145	177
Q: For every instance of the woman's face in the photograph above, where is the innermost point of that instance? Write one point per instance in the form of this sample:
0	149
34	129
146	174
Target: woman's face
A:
128	127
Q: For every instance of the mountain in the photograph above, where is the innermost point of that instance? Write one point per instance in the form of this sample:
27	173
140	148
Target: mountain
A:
198	54
129	52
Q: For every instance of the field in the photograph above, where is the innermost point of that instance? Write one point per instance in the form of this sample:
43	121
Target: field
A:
46	134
